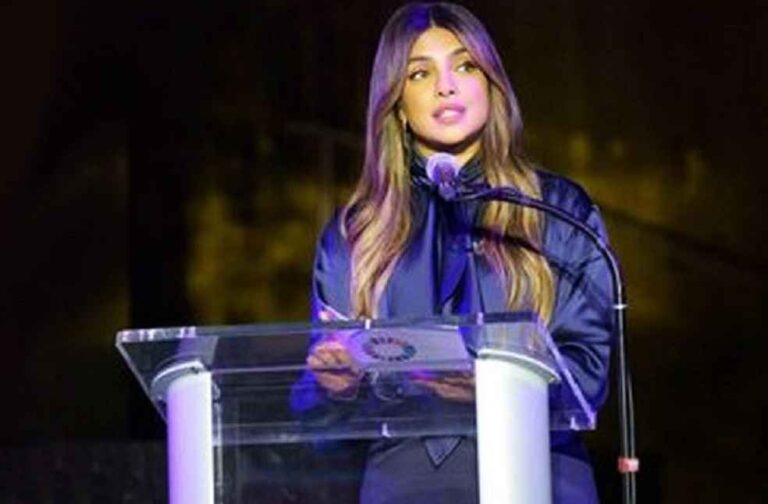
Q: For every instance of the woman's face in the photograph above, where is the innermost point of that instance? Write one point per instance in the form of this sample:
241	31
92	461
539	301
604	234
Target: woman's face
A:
445	98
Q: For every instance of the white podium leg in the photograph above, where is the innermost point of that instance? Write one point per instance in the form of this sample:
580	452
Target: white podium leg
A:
512	433
190	439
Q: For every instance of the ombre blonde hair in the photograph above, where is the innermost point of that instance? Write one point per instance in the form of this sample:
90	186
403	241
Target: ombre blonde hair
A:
377	219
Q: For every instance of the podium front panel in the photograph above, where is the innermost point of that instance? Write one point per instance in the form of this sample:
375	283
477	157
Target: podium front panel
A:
270	414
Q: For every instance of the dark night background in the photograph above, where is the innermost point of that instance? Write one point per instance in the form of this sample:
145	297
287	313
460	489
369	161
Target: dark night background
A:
168	163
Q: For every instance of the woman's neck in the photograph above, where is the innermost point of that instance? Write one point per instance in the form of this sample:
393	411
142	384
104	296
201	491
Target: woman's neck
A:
462	157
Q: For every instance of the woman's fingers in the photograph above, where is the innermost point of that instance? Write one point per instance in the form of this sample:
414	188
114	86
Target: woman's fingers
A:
333	367
335	383
451	387
460	380
335	380
315	362
331	354
326	354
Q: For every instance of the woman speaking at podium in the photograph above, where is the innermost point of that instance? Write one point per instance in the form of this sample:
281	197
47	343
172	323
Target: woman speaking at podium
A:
396	250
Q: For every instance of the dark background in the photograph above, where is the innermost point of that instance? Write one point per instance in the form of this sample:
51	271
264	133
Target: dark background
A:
169	163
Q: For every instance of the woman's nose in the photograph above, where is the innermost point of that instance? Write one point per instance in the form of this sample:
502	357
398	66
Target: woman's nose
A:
446	85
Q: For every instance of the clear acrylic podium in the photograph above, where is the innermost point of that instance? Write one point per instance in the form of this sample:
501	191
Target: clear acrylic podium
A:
221	389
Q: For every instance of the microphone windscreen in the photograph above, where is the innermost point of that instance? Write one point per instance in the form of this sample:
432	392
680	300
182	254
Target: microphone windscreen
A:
442	168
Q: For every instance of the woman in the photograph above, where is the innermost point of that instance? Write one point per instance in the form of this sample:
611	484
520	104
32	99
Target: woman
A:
396	249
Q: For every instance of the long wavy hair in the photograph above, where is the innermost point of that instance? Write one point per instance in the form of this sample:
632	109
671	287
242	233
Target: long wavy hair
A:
377	220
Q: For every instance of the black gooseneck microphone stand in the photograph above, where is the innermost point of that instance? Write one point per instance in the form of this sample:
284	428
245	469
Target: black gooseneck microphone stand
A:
628	463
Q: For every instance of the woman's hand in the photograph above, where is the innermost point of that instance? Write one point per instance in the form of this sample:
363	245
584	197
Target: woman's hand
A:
458	386
343	377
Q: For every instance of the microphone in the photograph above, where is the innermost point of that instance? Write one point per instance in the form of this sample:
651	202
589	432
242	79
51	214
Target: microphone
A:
628	462
443	171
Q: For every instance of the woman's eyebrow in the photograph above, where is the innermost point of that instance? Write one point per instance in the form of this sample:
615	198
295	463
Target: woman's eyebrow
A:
455	52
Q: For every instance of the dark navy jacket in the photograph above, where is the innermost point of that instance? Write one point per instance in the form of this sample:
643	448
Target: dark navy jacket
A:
432	277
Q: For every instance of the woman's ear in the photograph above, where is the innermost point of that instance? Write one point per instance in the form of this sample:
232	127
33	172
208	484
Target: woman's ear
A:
402	118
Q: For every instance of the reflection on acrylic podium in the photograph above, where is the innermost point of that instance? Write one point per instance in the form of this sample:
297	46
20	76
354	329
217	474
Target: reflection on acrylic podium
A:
224	390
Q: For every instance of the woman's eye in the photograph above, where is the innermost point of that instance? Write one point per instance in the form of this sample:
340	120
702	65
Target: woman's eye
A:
467	66
417	74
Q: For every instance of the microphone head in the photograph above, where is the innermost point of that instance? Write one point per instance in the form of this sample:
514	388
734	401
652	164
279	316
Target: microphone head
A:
442	168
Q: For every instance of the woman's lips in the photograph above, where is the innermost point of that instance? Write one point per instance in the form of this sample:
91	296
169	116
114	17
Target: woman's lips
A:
449	114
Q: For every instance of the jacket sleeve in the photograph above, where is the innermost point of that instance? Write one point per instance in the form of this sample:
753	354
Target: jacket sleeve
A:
329	292
330	274
582	321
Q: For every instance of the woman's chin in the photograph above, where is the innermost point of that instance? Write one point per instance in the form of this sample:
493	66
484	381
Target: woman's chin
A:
451	144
